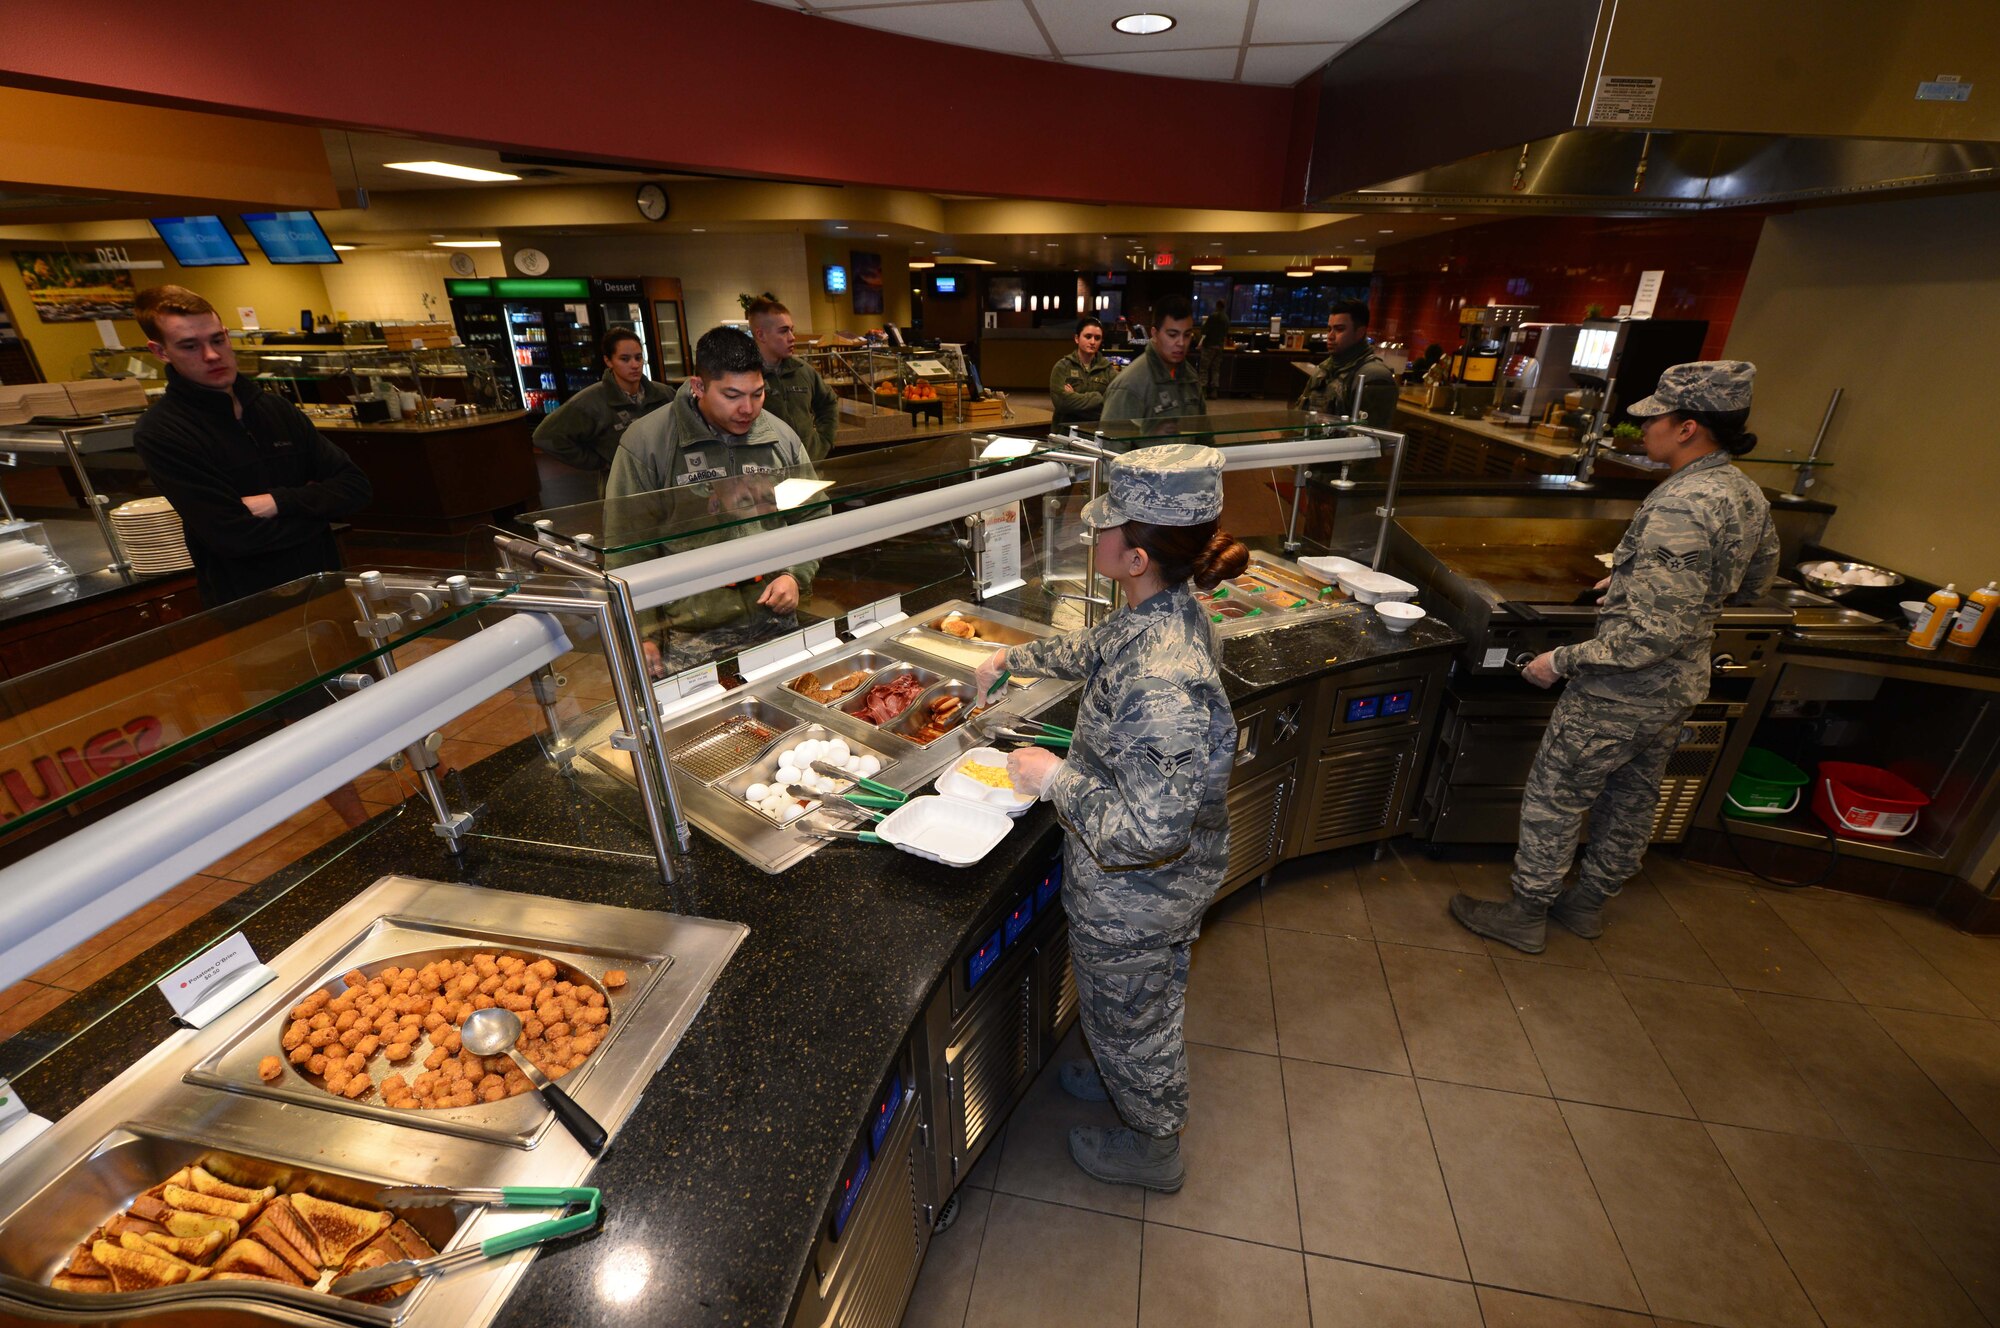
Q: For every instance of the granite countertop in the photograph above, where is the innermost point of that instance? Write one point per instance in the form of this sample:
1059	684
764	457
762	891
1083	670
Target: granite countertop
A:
715	1186
1263	661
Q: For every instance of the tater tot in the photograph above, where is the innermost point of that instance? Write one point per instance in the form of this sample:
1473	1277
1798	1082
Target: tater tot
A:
368	1046
320	1037
271	1069
398	1052
302	1054
356	1086
351	1038
354	977
321	1020
435	1059
295	1035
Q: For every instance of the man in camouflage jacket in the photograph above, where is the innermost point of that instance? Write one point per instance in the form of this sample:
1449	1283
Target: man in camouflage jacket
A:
1702	538
1160	384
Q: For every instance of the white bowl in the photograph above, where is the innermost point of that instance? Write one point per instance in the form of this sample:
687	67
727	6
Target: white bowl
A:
1397	615
1913	609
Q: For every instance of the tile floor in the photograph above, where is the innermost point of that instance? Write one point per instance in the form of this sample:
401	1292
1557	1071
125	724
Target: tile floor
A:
1743	1107
486	728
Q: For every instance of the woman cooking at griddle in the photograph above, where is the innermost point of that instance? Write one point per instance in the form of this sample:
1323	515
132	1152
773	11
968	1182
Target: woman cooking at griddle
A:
1141	798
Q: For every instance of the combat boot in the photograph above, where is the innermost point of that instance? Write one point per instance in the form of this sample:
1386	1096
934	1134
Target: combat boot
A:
1581	910
1118	1156
1081	1081
1521	923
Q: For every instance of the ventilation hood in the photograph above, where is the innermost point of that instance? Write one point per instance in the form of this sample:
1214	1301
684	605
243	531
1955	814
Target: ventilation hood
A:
1650	107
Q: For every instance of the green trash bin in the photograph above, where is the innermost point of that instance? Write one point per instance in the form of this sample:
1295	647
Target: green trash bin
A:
1766	784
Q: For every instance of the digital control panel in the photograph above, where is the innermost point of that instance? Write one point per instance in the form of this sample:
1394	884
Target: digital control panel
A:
885	1113
850	1191
1381	705
981	961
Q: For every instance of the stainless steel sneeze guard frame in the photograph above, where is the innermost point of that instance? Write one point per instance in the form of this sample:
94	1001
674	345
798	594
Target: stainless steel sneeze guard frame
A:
58	897
168	1096
755	837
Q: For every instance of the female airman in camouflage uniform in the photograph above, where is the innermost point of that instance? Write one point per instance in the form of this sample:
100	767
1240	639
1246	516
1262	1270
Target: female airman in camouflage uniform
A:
1702	537
1141	798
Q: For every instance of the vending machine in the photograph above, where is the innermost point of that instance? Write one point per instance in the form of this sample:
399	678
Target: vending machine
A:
544	332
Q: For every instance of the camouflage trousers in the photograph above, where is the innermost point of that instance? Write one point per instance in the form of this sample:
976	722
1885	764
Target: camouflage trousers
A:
1603	759
1131	1003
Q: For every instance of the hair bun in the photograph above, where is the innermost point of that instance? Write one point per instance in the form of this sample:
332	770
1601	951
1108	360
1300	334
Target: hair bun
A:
1222	557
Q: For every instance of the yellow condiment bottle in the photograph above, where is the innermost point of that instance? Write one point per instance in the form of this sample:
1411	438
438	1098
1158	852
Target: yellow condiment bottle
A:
1978	611
1935	619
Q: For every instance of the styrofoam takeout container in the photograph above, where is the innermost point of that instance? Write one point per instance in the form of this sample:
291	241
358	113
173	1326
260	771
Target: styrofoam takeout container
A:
1373	587
948	830
952	784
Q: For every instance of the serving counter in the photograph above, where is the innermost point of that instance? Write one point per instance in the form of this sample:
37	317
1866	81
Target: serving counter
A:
873	988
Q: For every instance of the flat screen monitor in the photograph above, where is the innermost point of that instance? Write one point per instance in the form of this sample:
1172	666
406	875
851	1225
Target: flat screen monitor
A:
946	285
199	241
836	279
290	237
1593	350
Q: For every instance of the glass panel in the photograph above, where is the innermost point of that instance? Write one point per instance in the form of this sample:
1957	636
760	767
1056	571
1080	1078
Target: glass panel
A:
74	991
668	516
1217	430
74	730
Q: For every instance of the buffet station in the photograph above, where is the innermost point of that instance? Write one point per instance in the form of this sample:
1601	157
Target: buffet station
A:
744	969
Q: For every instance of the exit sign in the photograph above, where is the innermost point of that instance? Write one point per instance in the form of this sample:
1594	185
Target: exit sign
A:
1163	260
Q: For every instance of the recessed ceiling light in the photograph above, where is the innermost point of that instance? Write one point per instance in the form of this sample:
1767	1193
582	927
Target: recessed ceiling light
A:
916	263
449	170
1388	230
881	235
1143	25
465	244
701	230
839	227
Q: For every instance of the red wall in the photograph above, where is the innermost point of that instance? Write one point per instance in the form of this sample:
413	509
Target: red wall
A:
726	86
1564	265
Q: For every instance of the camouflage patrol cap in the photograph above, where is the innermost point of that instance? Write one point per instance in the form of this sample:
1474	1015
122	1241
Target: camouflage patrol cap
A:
1176	484
1707	385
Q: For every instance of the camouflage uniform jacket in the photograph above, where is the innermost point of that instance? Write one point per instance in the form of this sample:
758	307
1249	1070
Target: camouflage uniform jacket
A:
1332	387
1703	537
706	472
1142	792
1077	390
796	394
584	431
1150	389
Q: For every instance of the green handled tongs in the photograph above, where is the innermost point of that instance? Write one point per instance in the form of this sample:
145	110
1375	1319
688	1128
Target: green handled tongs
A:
512	1196
883	797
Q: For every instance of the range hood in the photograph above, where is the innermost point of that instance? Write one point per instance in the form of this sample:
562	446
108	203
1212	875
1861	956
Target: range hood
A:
1650	107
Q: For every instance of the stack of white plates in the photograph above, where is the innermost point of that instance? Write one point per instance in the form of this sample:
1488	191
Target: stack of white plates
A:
150	530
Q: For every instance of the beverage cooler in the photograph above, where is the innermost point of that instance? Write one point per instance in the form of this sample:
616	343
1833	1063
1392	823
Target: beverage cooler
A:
545	331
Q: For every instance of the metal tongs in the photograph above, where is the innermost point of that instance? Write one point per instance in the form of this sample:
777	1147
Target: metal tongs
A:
1010	728
512	1196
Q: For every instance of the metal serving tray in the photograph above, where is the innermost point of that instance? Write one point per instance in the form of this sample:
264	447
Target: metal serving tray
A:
162	1098
853	704
36	1242
406	942
761	770
714	802
854	661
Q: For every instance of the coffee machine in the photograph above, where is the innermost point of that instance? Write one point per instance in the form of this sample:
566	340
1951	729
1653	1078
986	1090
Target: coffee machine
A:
1475	365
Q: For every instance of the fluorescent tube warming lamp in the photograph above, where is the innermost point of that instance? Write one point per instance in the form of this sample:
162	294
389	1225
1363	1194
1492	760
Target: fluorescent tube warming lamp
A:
450	171
56	898
692	571
465	244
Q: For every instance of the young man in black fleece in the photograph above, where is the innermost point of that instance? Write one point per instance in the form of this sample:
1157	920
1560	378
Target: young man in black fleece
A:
256	486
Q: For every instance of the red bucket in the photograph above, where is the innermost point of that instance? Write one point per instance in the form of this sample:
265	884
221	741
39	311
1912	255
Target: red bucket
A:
1865	801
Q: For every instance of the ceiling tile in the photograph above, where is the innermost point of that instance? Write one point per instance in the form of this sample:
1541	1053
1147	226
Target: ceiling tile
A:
1219	63
1286	64
1320	20
1083	27
994	25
